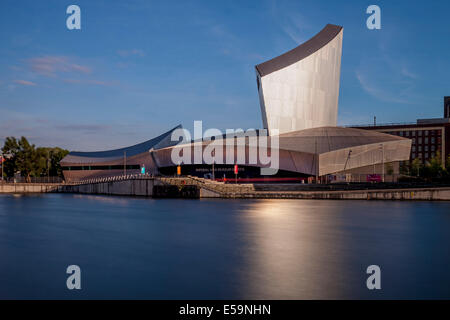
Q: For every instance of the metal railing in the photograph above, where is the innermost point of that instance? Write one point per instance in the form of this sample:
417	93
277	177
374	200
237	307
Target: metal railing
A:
112	179
389	124
39	180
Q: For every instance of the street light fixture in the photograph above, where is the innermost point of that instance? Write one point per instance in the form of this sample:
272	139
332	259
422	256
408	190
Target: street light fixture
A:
382	162
345	165
48	166
348	157
213	169
1	163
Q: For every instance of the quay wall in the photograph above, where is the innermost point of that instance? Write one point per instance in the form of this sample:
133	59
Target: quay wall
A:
28	187
426	194
145	187
135	187
132	187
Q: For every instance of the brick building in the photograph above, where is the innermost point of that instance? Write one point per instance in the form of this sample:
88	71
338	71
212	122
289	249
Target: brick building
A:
428	135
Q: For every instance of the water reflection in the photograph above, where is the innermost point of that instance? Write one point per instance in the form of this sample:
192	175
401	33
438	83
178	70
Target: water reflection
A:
222	249
106	199
292	251
321	249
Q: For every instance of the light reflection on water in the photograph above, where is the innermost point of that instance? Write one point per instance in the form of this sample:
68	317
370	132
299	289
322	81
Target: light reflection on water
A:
222	249
291	254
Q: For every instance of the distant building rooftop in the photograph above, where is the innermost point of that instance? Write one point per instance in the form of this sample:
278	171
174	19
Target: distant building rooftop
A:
435	120
431	121
419	122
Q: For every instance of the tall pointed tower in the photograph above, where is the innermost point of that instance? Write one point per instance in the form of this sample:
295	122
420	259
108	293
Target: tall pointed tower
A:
300	88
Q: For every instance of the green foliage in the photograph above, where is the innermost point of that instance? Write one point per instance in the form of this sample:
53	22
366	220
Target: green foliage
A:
415	167
23	157
432	170
55	155
10	149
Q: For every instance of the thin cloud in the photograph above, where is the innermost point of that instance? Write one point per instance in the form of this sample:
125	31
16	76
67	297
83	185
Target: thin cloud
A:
94	82
397	65
376	91
294	25
293	34
25	82
91	128
50	66
388	78
291	22
407	73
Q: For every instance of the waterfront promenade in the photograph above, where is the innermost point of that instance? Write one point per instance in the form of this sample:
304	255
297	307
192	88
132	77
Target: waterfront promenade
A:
29	187
193	187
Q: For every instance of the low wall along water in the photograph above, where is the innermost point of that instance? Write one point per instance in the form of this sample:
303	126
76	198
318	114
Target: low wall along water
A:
190	188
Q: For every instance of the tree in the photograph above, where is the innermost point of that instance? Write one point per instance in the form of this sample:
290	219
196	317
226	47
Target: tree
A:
434	166
57	154
416	166
26	158
10	150
49	159
30	161
40	162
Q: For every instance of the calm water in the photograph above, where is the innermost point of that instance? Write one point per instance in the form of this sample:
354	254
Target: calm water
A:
222	249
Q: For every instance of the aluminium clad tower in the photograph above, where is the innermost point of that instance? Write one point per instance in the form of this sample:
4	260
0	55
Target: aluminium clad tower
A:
300	88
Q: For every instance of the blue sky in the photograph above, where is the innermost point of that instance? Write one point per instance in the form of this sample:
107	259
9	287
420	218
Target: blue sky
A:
138	68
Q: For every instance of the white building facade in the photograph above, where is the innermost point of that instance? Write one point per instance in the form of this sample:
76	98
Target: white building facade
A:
300	88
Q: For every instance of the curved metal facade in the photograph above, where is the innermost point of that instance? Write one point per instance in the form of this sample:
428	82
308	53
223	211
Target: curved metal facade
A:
300	89
85	165
316	151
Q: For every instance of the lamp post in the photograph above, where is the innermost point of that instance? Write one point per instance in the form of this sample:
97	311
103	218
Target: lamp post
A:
348	157
214	160
373	161
1	163
48	166
124	163
346	161
382	162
